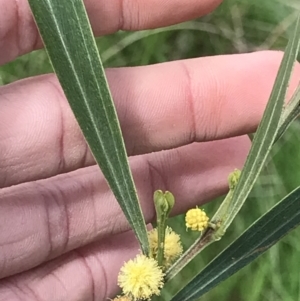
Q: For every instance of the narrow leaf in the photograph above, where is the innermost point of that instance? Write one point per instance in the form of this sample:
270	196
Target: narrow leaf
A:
71	47
290	113
257	239
266	132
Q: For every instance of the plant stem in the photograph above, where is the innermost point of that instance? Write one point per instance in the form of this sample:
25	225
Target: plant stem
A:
164	203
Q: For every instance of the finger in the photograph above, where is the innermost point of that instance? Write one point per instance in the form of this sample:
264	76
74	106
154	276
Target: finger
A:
19	35
86	274
42	220
159	107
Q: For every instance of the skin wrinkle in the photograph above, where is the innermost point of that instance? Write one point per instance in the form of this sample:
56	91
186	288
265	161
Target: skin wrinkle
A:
49	199
85	161
121	14
95	220
61	162
207	99
213	118
16	294
4	152
132	15
65	229
52	201
62	232
89	272
31	292
2	261
18	27
47	223
191	103
105	281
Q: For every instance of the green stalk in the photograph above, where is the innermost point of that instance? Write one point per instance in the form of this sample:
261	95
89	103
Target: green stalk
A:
164	202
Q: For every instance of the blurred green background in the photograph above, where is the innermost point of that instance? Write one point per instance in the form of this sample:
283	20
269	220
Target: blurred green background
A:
236	26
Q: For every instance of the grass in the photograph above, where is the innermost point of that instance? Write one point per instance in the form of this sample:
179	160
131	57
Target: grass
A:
236	26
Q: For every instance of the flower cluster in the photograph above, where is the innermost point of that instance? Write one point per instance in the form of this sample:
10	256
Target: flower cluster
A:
141	277
172	248
196	219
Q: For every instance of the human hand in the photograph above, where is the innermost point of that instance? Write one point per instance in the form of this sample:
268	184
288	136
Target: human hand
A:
63	235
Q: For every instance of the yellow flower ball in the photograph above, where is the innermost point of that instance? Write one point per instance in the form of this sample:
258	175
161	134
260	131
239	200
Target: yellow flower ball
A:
196	219
141	277
173	248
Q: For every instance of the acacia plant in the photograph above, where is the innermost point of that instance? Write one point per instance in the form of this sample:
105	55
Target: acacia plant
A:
77	64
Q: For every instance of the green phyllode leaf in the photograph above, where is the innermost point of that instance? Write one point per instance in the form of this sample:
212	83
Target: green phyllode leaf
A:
266	132
257	239
69	41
